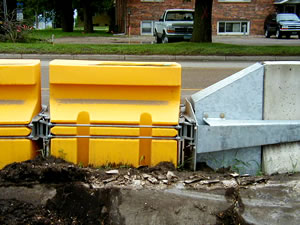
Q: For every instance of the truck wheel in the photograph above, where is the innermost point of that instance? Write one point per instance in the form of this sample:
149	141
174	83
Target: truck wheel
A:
278	34
158	39
165	39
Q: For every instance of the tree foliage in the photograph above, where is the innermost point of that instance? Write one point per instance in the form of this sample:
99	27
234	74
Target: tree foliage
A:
12	30
202	31
62	11
89	8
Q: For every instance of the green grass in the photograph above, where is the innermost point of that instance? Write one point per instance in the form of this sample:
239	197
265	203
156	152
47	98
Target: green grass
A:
58	33
181	48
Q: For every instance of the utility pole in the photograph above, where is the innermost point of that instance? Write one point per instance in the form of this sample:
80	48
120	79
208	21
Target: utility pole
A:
5	10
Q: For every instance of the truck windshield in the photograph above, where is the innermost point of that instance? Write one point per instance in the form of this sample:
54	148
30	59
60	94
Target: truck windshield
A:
180	16
287	17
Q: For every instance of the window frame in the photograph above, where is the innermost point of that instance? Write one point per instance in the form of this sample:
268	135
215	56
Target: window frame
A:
152	0
152	27
234	1
233	33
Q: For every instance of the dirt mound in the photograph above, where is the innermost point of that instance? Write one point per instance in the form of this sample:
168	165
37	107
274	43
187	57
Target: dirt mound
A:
232	215
41	170
92	195
13	212
75	202
85	205
160	167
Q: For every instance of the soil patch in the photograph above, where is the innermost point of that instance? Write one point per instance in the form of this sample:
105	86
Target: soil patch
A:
18	213
41	170
232	215
92	196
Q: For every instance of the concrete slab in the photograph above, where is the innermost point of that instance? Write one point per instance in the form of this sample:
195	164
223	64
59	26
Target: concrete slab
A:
10	56
200	58
287	58
250	58
150	58
282	102
47	56
99	57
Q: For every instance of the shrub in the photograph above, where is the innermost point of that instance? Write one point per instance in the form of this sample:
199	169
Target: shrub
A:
14	31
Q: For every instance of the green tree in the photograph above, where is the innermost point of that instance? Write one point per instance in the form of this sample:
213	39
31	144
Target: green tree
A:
88	8
32	9
202	31
66	12
88	13
54	9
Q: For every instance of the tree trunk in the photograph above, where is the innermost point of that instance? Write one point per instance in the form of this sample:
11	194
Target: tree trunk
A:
88	17
36	20
202	21
66	13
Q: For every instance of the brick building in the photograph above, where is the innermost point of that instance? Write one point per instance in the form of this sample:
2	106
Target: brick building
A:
229	17
240	16
138	16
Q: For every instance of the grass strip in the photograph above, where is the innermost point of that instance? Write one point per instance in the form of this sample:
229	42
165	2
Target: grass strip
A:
182	48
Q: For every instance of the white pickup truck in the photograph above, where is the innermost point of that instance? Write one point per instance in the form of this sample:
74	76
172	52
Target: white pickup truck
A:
175	24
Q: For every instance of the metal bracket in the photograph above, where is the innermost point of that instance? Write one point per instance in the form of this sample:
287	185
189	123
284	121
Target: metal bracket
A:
222	134
188	133
46	125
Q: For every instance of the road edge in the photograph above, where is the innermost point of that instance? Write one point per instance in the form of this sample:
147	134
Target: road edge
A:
191	58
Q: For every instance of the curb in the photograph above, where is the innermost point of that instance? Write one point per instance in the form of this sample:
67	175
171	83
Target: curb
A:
196	58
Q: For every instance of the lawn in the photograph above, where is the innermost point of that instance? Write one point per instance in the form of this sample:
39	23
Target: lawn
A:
41	45
181	48
58	33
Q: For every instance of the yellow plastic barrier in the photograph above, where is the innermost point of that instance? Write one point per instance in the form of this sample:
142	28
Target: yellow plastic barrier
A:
20	101
130	110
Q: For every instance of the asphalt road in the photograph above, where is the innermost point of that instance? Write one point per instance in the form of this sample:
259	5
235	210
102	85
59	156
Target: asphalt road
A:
195	75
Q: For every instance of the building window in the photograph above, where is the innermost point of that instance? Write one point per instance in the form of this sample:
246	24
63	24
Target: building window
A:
152	0
234	0
147	27
233	27
289	8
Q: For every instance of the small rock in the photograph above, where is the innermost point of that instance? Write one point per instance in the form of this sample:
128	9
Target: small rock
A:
209	181
245	175
104	210
152	180
137	182
260	180
161	177
109	180
234	174
165	181
170	175
229	183
112	172
192	181
146	176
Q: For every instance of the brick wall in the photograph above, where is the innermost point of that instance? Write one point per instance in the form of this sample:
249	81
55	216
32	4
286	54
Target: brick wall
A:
255	11
151	11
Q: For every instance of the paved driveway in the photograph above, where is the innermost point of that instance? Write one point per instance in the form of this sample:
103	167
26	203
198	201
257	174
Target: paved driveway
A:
257	40
238	40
